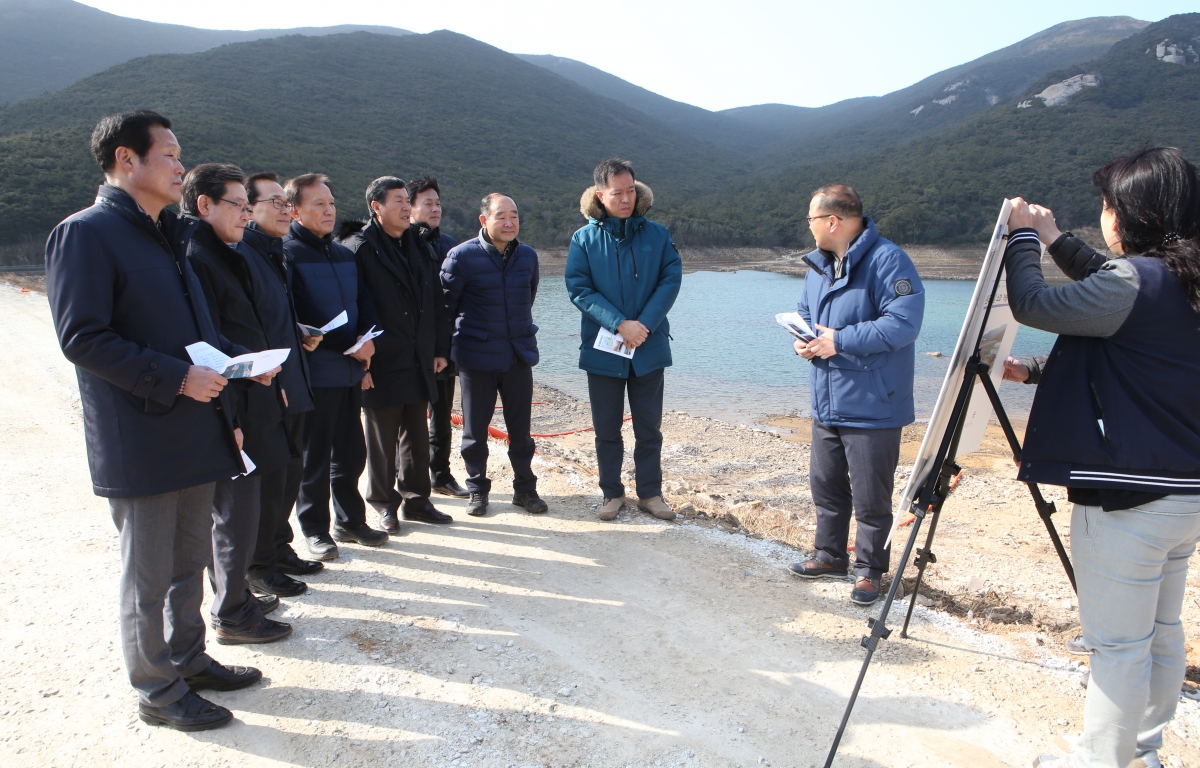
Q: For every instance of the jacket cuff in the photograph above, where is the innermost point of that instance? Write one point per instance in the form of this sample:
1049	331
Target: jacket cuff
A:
1058	242
160	381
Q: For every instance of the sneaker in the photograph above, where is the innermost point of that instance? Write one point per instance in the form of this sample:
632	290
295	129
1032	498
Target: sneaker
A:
1076	646
865	592
477	506
360	534
816	569
610	508
265	631
532	503
321	547
656	506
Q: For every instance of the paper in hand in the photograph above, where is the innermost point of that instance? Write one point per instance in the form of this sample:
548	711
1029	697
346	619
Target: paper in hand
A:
366	337
240	367
794	324
607	341
336	322
250	466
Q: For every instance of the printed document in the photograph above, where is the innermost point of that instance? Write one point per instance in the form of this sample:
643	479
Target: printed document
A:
607	341
366	337
250	467
336	322
794	324
240	367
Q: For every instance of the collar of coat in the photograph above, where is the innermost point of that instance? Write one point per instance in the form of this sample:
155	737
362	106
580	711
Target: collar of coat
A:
204	236
305	235
862	245
169	230
589	204
490	247
262	242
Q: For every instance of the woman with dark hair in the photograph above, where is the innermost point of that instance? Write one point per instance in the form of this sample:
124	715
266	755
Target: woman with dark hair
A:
1116	420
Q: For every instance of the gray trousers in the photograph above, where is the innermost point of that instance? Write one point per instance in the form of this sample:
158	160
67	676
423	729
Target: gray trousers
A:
852	471
166	541
235	513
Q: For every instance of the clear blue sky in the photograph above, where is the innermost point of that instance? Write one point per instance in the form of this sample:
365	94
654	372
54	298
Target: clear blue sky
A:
712	54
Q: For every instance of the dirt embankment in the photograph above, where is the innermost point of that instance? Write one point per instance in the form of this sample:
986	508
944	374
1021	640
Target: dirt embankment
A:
513	640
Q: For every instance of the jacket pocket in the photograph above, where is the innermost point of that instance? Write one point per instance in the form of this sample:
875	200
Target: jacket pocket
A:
858	395
474	333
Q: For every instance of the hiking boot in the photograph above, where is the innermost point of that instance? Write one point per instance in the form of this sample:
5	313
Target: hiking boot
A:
477	506
610	508
361	534
656	506
865	592
816	569
1076	646
532	503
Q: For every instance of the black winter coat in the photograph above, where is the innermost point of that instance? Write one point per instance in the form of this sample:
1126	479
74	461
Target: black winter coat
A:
269	275
125	304
402	276
228	288
440	243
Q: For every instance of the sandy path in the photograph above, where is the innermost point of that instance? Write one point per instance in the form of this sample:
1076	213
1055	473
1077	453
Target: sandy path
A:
504	641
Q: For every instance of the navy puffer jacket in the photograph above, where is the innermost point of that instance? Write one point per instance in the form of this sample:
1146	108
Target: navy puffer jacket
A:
490	299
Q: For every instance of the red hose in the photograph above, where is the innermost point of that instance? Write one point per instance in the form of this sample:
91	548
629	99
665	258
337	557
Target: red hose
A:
456	418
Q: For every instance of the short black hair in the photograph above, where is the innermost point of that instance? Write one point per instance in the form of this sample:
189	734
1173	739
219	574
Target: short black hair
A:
839	199
377	191
423	182
252	181
485	205
613	166
208	179
294	188
124	129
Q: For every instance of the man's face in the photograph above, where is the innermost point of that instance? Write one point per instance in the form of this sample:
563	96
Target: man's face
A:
427	209
272	214
821	227
228	214
393	212
619	197
316	211
159	177
502	222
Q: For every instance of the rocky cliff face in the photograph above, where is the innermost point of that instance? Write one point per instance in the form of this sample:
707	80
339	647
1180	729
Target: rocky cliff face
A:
1169	52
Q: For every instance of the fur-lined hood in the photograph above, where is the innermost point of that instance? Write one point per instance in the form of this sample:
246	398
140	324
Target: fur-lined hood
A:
589	204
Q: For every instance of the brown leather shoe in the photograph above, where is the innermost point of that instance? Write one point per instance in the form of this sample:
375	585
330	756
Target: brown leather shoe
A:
656	506
610	509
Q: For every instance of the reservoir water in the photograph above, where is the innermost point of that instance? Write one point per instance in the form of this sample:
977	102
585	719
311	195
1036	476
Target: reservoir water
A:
732	362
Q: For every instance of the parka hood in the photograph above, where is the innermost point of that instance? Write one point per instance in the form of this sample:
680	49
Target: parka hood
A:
589	204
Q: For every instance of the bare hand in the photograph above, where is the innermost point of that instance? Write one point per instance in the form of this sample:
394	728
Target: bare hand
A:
1015	370
368	382
439	364
365	354
203	383
238	437
265	378
633	333
283	393
823	346
802	349
1036	217
310	342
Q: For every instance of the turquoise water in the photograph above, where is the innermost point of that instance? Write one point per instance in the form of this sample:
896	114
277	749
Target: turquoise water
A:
734	363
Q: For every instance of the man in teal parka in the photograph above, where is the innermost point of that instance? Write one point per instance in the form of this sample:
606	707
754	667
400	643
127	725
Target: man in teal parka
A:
623	273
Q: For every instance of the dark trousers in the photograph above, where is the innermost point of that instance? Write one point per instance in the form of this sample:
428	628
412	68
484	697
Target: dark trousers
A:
852	471
234	533
607	394
279	491
335	455
479	390
441	432
398	457
166	541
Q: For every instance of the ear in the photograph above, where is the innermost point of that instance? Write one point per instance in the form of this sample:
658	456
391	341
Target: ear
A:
482	220
204	205
374	206
125	157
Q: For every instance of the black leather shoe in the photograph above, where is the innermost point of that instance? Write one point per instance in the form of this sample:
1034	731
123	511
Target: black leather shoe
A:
451	488
276	583
267	603
265	631
293	565
477	506
532	503
362	534
218	677
865	592
322	547
389	522
428	514
191	713
816	569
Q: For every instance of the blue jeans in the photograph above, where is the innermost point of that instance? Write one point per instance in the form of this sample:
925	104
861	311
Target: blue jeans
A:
1131	570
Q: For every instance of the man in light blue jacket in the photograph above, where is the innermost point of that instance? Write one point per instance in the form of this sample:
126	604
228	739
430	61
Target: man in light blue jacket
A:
623	273
863	297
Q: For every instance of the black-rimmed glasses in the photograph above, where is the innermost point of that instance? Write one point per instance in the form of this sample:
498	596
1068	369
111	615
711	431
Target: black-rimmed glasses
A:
246	209
823	216
279	203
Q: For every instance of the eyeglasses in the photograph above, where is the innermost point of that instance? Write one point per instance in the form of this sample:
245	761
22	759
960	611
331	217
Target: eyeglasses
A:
823	216
246	209
279	203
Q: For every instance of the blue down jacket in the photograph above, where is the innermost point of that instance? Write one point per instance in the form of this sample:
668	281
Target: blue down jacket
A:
620	270
875	309
489	299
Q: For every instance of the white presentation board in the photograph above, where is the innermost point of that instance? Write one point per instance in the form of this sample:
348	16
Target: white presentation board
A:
997	341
